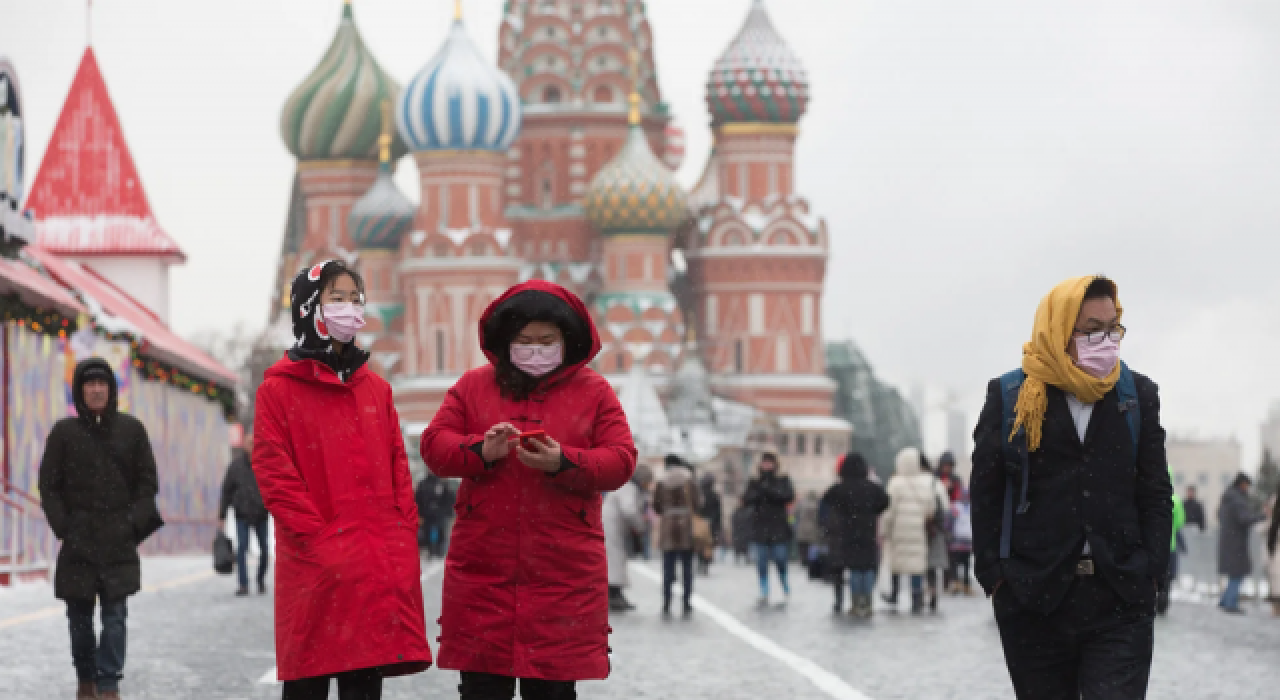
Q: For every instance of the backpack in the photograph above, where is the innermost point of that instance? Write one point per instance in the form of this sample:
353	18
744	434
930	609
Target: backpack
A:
1015	450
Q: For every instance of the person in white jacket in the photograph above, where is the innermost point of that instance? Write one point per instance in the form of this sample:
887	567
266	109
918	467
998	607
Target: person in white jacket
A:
624	517
917	501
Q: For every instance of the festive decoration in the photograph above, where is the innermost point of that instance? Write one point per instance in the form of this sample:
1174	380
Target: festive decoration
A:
156	370
38	320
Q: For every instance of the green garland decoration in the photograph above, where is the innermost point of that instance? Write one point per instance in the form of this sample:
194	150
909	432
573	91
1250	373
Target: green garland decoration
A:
157	370
37	319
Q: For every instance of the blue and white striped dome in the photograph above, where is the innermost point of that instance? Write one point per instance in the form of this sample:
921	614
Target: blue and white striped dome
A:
459	102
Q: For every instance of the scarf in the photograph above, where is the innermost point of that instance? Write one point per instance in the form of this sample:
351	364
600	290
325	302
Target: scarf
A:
311	338
1046	362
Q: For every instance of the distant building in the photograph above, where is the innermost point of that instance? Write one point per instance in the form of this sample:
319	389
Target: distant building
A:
1209	465
1269	432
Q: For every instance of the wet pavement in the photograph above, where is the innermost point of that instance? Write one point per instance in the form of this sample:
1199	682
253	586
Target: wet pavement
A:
189	637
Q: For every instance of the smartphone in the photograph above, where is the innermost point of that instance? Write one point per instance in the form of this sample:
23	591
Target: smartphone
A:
527	437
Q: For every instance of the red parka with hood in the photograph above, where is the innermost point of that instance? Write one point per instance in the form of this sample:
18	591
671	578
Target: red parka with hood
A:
330	462
526	578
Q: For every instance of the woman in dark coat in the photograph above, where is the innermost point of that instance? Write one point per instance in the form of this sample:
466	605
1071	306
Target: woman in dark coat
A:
526	583
768	496
850	509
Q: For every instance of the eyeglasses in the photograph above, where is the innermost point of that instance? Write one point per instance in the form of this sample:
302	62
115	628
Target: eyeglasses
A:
1116	334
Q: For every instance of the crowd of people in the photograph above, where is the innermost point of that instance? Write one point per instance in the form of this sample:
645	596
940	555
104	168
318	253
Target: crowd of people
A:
551	504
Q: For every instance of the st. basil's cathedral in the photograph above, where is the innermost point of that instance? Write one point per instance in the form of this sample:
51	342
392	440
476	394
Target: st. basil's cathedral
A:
556	162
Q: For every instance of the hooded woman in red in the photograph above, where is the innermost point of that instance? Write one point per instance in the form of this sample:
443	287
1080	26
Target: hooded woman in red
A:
526	579
331	465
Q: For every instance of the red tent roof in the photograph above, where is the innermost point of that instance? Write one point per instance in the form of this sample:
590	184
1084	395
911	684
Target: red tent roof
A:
113	309
87	198
34	288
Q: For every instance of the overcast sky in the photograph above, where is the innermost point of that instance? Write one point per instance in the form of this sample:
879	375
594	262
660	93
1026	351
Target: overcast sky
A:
966	156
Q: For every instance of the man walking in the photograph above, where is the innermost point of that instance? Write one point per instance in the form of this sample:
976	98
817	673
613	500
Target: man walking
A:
98	488
435	499
1236	517
676	498
1072	504
240	491
1194	509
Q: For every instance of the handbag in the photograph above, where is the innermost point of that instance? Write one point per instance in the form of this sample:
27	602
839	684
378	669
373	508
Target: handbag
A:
224	557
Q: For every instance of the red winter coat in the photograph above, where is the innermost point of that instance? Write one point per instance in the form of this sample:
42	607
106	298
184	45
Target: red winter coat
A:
526	579
331	465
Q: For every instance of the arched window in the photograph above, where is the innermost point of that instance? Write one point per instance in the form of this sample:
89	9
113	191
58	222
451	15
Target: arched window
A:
548	194
603	95
439	352
739	356
621	362
551	94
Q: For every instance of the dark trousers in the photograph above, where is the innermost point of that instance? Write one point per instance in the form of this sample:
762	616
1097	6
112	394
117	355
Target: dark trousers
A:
98	661
1095	646
669	559
489	686
960	567
242	550
365	684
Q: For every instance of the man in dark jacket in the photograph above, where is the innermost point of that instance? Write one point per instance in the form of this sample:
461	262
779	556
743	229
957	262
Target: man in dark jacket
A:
240	491
98	489
1236	517
1074	598
849	511
767	497
1194	509
435	500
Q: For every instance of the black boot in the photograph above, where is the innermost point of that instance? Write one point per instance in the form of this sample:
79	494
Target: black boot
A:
933	600
917	602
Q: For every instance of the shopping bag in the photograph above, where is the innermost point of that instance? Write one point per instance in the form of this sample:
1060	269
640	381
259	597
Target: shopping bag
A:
224	556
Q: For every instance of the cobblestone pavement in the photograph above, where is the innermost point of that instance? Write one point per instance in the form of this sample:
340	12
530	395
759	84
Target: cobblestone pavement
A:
190	638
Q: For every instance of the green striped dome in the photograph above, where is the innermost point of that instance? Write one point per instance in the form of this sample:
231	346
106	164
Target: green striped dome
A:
336	112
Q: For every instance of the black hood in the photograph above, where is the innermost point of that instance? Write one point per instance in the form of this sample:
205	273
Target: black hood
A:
853	467
95	368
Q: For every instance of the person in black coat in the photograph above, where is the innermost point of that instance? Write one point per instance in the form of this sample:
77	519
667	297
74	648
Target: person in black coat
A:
98	489
849	511
240	491
768	496
1194	509
435	499
1089	545
713	512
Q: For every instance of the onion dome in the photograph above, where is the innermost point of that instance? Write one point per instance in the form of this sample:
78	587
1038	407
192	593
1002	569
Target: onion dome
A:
459	101
635	192
758	78
382	216
335	113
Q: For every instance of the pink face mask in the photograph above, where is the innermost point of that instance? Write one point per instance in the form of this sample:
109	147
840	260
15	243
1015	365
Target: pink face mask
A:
537	360
343	320
1097	360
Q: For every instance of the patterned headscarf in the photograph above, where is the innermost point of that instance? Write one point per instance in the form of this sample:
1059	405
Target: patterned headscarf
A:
311	338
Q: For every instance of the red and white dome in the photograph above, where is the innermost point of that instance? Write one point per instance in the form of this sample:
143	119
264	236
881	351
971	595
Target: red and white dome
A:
758	78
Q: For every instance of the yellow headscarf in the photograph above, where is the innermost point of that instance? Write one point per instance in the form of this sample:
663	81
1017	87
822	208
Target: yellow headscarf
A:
1046	362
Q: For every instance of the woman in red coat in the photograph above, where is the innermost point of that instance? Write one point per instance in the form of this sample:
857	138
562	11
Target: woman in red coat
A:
330	462
526	579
